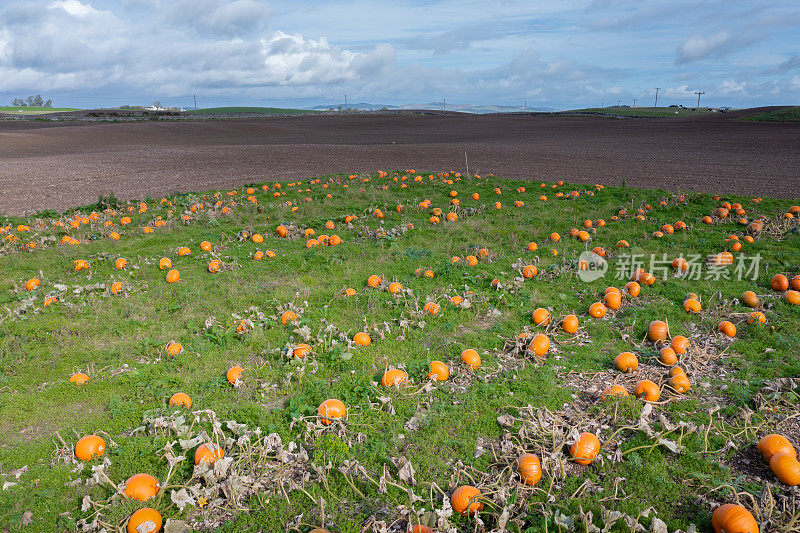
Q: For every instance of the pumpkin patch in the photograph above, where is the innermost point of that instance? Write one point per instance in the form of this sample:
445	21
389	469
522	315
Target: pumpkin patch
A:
450	360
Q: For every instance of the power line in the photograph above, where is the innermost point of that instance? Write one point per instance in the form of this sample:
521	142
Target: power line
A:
789	63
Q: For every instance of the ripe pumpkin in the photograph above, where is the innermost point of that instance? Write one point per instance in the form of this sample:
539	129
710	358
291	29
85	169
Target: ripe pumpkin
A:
750	299
786	468
173	276
529	271
439	371
657	331
626	362
633	288
795	282
615	390
208	453
667	356
464	500
541	317
164	263
234	374
141	487
432	308
647	391
90	447
395	287
612	300
690	305
779	282
597	310
288	317
331	410
732	518
679	344
457	300
792	296
120	263
774	443
301	350
362	339
570	324
680	383
727	328
184	251
181	399
529	468
174	348
79	378
374	280
32	284
471	358
205	246
585	449
540	345
144	520
394	378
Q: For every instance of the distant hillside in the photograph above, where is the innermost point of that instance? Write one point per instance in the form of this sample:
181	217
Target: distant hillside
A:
463	108
785	114
264	110
33	110
645	111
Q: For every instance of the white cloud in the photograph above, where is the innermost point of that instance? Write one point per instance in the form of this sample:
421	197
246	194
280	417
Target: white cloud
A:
73	7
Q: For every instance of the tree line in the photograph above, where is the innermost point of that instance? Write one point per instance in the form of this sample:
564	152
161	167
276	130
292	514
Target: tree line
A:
32	101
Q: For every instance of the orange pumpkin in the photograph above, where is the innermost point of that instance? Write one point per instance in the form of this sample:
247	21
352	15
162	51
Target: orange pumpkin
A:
585	449
181	399
667	356
570	324
288	317
786	468
615	390
679	344
208	453
234	374
540	345
597	310
774	443
732	518
464	500
471	358
90	447
541	317
657	331
362	339
144	520
750	299
394	378
331	410
779	282
439	371
680	383
727	328
626	362
173	276
647	391
141	487
529	468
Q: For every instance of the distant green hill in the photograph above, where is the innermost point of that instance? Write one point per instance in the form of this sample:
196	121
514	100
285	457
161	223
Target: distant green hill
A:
643	111
787	114
265	110
34	110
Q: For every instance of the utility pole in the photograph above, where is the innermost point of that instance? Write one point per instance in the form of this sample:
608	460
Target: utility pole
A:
698	93
195	102
634	102
525	106
444	104
345	101
619	102
656	104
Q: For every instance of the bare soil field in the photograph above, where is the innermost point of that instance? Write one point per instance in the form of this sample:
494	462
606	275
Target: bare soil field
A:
58	165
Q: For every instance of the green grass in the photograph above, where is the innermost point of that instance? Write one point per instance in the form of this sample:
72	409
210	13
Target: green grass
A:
34	110
655	112
265	110
119	341
787	114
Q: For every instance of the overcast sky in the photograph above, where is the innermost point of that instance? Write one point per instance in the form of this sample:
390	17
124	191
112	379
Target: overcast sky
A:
552	53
